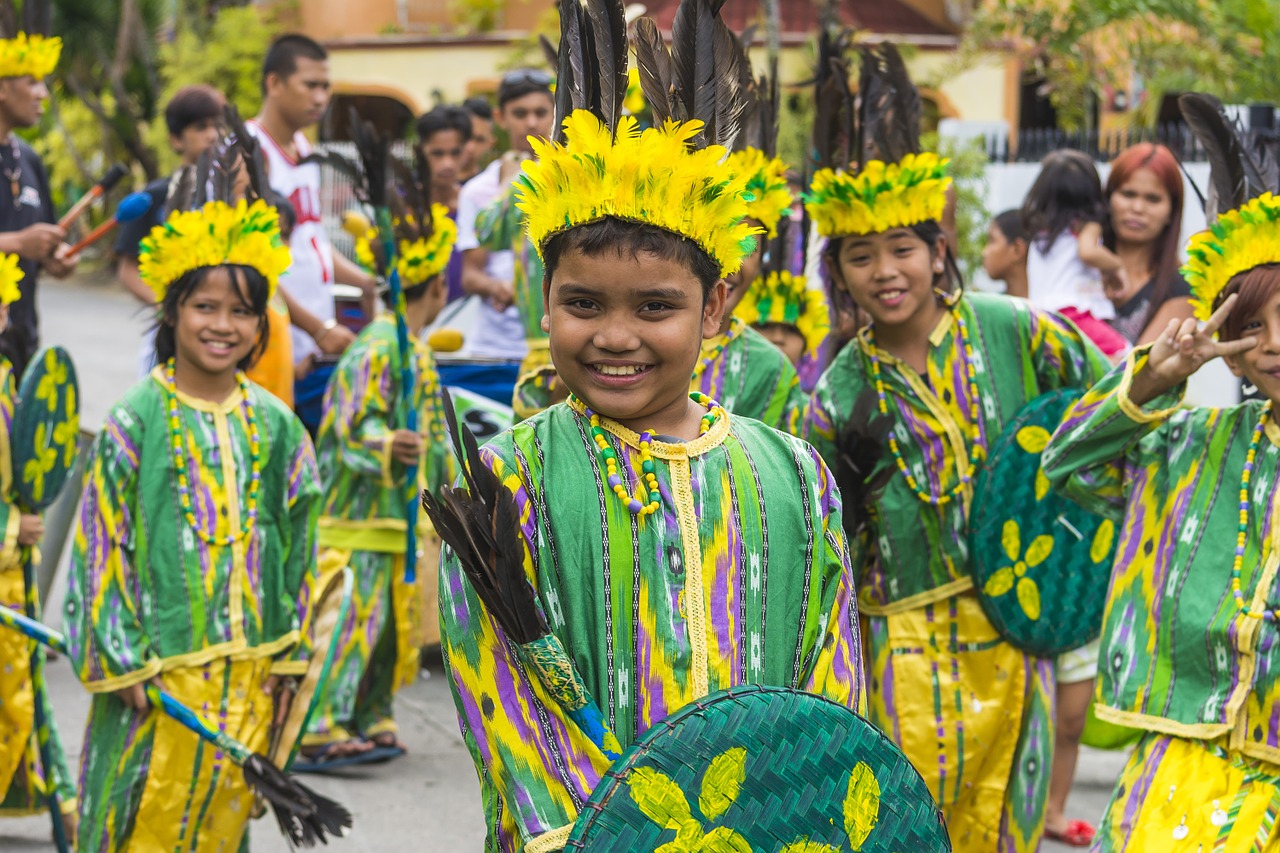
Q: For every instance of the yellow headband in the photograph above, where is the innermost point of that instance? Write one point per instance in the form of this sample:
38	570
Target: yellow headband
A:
10	275
653	177
216	235
419	260
1240	240
881	197
767	186
33	56
784	299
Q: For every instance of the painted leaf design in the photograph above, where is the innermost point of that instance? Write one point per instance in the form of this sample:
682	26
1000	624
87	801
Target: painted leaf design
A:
1033	438
723	840
659	798
1102	541
1040	550
721	782
1029	598
804	845
1042	484
861	805
999	583
1011	539
687	840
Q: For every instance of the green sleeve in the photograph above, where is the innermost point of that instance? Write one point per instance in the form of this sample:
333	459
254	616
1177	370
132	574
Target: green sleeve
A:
1062	356
499	223
301	566
360	411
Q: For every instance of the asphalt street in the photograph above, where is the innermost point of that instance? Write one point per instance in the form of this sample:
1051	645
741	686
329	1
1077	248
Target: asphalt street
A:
427	801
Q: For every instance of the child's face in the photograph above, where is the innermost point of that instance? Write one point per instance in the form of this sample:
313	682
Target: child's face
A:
890	275
215	328
444	151
625	332
999	256
786	338
1261	364
196	138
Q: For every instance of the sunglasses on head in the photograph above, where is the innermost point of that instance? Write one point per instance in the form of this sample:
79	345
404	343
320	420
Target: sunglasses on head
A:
531	76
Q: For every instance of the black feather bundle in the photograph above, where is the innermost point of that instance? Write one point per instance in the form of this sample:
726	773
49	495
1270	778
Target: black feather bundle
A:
1239	168
481	523
862	468
706	73
305	817
889	107
833	104
591	60
250	152
374	152
653	61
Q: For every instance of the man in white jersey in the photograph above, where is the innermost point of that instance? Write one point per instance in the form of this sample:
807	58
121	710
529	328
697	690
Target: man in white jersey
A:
295	87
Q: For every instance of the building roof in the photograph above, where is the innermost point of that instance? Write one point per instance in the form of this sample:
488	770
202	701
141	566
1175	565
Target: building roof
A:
883	17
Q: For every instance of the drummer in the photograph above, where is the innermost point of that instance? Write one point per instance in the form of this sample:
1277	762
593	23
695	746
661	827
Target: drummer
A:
972	712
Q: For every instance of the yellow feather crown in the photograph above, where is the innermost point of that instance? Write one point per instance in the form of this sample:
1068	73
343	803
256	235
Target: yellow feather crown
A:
1240	240
653	177
785	299
882	196
767	186
216	235
419	260
10	275
24	55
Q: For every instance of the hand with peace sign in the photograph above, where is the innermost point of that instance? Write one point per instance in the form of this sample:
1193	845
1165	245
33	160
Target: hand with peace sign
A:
1181	350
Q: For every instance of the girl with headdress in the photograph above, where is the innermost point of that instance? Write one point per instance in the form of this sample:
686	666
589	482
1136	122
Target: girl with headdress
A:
194	554
22	778
1190	648
948	369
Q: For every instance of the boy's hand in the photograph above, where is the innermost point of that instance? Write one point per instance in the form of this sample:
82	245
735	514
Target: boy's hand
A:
1181	350
135	695
406	447
30	529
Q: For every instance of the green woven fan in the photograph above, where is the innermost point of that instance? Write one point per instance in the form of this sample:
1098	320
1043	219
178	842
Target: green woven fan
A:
46	427
1041	563
761	770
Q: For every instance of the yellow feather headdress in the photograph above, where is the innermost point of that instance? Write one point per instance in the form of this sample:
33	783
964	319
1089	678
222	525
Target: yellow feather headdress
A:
766	184
10	275
786	299
882	196
417	260
652	176
215	235
1238	241
29	55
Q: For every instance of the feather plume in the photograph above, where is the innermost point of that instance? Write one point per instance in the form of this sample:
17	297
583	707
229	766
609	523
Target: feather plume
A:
374	152
305	817
549	52
481	523
1235	172
889	109
37	17
706	71
653	61
833	104
607	21
250	151
861	469
182	191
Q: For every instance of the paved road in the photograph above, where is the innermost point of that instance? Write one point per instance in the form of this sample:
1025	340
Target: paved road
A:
425	802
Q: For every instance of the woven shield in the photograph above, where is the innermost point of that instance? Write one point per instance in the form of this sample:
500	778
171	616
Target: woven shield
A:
761	769
1041	563
328	613
46	426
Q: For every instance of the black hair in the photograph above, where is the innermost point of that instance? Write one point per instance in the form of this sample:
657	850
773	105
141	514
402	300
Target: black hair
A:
413	294
249	285
284	53
479	107
523	81
627	237
950	280
1009	223
193	104
284	209
444	117
1066	194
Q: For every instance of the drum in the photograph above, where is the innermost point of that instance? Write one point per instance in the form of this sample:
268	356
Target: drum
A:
1041	563
46	428
762	768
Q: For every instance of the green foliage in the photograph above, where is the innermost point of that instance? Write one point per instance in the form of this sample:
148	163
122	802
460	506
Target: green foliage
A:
478	16
969	173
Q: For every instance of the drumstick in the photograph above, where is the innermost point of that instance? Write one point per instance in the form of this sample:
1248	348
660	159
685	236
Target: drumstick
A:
97	191
131	207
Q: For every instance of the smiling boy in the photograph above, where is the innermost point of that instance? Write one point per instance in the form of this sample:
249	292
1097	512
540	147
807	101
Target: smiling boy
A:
675	550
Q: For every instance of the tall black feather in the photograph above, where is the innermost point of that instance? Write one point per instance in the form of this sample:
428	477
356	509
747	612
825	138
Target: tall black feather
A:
888	126
609	38
373	151
549	52
653	61
571	68
1234	175
481	523
862	467
250	149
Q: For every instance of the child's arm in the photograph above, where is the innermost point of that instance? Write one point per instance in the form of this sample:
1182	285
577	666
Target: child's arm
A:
1091	251
360	409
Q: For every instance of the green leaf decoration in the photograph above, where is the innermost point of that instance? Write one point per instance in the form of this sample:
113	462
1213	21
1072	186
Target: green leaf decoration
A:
687	840
804	845
1033	439
659	798
861	805
999	583
1029	598
721	782
1102	541
1040	550
723	840
1011	539
1042	484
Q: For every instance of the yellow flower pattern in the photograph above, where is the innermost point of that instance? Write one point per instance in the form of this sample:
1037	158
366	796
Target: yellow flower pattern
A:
10	275
1009	577
40	464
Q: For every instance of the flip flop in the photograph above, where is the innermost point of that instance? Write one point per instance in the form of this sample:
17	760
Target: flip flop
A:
1079	833
392	747
324	760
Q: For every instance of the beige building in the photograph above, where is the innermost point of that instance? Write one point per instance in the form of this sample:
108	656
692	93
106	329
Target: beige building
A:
398	56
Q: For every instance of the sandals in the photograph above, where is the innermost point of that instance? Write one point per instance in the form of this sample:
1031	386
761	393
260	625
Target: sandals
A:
1079	833
388	742
327	758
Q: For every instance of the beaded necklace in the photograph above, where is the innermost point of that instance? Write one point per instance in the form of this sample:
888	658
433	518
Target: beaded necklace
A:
975	428
706	363
1238	563
647	467
178	443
